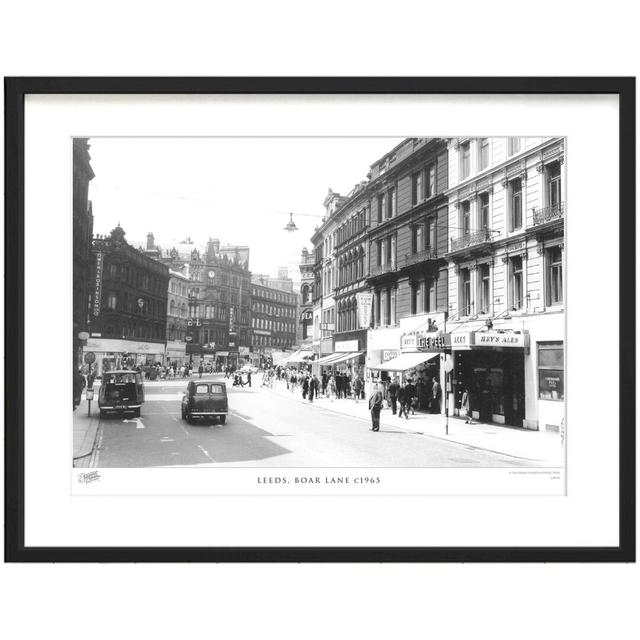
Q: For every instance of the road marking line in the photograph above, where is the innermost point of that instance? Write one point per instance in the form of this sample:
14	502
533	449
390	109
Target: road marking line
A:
205	452
138	421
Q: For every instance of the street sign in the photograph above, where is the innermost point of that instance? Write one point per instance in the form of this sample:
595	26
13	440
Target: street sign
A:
188	338
89	357
83	335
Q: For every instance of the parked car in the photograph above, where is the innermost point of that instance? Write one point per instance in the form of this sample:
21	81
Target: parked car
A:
121	392
205	400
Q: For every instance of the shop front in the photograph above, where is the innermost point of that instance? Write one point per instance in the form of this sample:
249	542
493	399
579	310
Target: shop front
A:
490	365
111	353
347	358
419	362
383	344
175	353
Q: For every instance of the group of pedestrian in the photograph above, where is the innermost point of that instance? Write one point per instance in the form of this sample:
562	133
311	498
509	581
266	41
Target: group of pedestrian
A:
403	398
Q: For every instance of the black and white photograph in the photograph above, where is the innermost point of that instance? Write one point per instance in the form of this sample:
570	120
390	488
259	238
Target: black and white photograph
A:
319	302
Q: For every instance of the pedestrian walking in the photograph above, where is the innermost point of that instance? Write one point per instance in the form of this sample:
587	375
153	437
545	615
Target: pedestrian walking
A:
357	387
305	387
249	378
375	406
410	394
465	407
437	393
332	388
393	395
200	370
325	380
314	384
402	401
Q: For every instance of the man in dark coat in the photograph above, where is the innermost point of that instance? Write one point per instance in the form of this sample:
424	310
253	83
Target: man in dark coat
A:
338	385
305	387
325	379
375	406
437	394
402	401
393	395
410	394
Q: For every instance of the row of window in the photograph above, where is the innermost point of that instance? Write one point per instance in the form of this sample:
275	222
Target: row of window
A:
475	213
482	301
273	325
351	266
135	277
284	298
271	341
356	223
260	307
128	303
480	156
132	329
348	315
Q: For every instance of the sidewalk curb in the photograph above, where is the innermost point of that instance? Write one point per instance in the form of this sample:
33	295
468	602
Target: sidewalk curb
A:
422	433
89	441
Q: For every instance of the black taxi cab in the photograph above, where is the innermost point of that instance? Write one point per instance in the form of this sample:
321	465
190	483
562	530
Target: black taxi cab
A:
204	399
121	392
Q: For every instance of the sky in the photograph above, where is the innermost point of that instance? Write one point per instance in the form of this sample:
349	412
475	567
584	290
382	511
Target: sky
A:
239	190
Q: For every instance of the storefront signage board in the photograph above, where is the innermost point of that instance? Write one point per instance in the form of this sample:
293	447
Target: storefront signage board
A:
344	346
502	340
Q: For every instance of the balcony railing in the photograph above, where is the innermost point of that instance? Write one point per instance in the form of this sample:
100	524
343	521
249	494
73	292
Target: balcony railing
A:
470	239
540	216
379	269
420	256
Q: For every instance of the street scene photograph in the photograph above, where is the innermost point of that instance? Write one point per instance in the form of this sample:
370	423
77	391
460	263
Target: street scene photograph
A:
319	302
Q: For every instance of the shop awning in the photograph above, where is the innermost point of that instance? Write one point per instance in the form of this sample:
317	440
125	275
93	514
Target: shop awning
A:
405	361
332	357
343	357
299	356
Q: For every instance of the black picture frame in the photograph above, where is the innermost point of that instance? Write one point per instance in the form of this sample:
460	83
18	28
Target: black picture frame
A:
15	91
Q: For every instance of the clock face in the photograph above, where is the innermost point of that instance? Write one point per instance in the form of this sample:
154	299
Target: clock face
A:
212	274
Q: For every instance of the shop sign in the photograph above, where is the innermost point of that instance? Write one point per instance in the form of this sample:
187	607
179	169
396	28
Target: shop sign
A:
413	342
365	304
389	354
498	339
345	346
120	346
223	353
433	341
306	315
328	326
244	351
462	340
409	343
97	290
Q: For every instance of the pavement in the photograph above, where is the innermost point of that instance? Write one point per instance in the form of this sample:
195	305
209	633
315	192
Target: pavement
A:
539	446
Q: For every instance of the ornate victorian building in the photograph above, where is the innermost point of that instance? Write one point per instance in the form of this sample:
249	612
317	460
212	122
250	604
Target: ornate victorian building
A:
129	304
506	255
218	300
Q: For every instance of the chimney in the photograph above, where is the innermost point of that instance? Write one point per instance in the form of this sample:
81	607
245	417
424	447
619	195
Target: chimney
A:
150	245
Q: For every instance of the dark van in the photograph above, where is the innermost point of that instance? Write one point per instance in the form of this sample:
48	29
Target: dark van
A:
205	400
120	392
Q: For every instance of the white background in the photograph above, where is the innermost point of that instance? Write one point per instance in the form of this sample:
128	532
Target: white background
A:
54	517
323	601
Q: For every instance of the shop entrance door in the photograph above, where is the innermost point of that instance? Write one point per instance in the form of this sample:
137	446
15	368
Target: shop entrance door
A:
514	390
